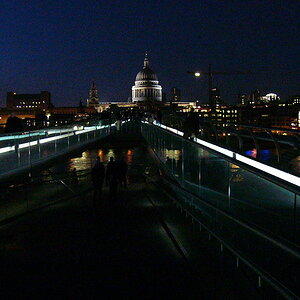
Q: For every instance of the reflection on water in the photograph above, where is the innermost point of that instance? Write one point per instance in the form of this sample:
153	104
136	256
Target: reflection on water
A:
172	154
88	158
270	156
295	165
251	153
265	154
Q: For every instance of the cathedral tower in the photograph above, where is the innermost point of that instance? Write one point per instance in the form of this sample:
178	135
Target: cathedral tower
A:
93	99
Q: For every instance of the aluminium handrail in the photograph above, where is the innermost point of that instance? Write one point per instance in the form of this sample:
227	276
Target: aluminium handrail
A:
263	274
256	231
284	291
276	180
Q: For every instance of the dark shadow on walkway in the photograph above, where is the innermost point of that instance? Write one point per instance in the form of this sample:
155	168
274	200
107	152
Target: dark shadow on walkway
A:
121	250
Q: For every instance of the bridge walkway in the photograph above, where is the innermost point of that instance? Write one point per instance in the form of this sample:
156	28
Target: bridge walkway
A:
119	251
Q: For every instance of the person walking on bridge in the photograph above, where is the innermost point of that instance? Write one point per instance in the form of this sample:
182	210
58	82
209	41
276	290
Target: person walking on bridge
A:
98	175
122	170
112	178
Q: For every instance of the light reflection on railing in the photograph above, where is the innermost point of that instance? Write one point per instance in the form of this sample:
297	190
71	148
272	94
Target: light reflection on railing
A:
289	178
22	150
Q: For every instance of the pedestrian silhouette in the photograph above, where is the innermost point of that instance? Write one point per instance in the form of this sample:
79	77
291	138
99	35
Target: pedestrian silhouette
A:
98	174
112	178
169	162
122	169
109	170
74	178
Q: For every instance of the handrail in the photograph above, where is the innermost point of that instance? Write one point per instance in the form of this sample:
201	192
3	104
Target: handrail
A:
295	252
287	180
290	249
57	128
284	291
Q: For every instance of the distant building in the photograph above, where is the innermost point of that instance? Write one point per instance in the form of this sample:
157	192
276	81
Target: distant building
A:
215	97
28	101
243	99
175	95
254	97
146	86
270	98
294	100
164	97
93	100
282	116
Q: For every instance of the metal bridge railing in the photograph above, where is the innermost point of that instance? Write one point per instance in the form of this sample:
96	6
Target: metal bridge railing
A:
21	196
250	207
274	146
19	151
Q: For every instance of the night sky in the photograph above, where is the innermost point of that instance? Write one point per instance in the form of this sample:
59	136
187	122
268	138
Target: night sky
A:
61	46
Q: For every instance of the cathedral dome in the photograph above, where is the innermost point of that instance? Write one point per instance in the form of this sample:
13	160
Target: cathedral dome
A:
146	86
146	73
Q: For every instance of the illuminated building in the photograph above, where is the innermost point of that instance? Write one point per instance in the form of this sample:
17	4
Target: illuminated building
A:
28	101
254	97
222	114
270	116
146	86
294	100
215	97
270	98
243	99
93	100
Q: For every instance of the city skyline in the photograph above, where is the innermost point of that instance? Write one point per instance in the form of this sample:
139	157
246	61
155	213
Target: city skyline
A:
60	48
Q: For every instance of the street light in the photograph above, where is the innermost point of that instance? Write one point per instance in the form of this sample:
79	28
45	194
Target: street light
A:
210	73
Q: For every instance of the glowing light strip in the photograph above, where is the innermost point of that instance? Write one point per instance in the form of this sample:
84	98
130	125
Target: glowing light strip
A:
21	136
166	127
25	145
175	131
248	161
84	131
49	132
215	147
55	131
7	149
268	169
49	139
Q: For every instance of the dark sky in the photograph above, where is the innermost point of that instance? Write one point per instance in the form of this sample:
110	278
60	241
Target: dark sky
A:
60	46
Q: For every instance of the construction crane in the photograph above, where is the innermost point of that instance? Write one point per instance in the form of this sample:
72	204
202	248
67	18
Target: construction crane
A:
210	74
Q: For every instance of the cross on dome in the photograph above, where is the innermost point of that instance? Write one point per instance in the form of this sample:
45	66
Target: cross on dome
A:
146	61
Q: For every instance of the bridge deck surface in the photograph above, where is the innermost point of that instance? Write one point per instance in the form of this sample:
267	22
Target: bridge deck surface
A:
71	251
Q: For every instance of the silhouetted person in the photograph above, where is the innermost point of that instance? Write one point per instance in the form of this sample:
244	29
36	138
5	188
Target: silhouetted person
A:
122	170
191	125
74	178
169	162
187	126
195	124
98	175
179	166
13	124
109	170
112	178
